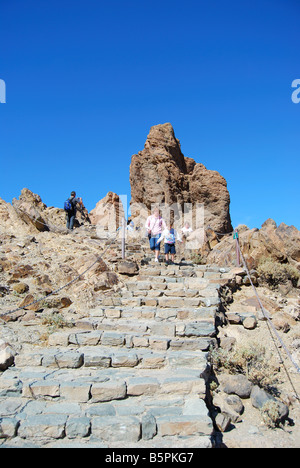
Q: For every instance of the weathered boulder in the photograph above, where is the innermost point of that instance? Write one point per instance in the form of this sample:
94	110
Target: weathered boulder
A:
7	355
128	268
260	398
20	288
250	323
238	385
229	405
222	422
105	280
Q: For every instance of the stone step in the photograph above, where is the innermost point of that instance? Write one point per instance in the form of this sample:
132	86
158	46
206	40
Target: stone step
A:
185	287
166	324
174	270
193	298
191	336
170	313
102	408
170	302
140	312
134	369
171	283
167	327
153	269
104	357
93	385
170	292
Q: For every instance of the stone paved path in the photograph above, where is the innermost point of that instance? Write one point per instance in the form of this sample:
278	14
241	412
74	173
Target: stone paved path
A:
131	374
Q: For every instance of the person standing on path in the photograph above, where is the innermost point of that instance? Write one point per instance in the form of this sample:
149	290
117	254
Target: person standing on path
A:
155	225
170	236
71	208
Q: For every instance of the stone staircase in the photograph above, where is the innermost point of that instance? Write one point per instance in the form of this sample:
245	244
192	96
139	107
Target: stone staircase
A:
132	373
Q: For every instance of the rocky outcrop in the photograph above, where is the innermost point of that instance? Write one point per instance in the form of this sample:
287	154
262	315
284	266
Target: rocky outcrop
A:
108	213
281	244
161	174
10	222
33	212
30	207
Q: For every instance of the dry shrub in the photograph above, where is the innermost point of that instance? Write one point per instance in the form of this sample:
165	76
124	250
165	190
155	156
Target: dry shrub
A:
271	414
274	273
250	360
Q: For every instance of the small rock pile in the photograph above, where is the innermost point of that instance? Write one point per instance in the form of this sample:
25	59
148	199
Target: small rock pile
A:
229	400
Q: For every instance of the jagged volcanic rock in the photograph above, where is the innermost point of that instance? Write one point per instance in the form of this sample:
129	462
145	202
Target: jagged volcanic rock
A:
161	174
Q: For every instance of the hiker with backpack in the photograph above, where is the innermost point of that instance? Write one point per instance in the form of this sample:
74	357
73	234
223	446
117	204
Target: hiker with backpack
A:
170	236
70	207
155	225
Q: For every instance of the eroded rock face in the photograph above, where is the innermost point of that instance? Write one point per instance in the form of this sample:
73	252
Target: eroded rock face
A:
108	213
10	221
161	174
281	244
30	209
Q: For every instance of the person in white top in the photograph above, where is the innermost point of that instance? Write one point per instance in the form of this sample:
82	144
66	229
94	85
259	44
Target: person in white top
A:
155	225
186	230
170	236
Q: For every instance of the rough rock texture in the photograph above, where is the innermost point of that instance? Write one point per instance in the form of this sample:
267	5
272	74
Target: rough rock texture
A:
10	221
38	256
30	209
281	243
108	212
160	174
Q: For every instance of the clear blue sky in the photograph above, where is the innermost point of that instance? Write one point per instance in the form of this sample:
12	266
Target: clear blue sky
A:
86	80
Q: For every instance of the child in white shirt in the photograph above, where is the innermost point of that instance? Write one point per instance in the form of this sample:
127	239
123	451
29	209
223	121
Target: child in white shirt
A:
170	236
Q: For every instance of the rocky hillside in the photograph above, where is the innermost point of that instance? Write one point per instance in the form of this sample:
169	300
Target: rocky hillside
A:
37	252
